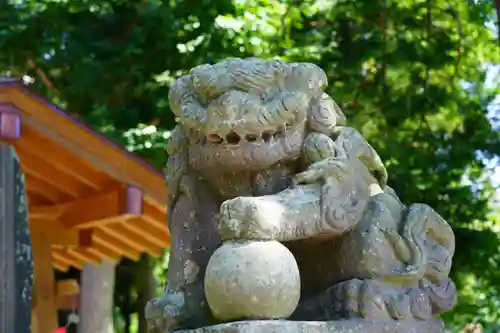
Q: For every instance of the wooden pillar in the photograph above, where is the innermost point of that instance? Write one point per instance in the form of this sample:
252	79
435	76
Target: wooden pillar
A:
46	308
16	265
67	294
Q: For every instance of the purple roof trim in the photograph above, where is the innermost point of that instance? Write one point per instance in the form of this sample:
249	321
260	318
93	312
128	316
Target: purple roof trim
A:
19	83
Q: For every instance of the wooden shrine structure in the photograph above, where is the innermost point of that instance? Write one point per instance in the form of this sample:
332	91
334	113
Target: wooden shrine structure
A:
88	198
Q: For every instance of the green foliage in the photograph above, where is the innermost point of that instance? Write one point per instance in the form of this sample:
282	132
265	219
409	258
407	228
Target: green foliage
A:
408	73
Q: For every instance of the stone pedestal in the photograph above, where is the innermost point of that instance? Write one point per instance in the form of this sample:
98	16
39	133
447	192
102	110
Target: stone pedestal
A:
351	326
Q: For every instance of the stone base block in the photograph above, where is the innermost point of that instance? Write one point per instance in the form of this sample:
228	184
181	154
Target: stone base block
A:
346	326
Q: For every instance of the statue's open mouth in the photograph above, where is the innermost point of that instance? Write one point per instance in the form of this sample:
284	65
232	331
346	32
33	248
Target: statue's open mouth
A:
234	138
249	150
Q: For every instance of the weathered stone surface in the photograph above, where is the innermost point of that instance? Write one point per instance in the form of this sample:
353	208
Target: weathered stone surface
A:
16	265
261	153
252	279
352	326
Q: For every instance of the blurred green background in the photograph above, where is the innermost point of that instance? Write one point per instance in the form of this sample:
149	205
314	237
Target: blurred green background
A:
419	78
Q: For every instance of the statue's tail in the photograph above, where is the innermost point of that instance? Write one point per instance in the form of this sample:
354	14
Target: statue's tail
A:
419	223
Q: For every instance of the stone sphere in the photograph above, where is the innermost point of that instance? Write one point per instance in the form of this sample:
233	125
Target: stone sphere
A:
252	280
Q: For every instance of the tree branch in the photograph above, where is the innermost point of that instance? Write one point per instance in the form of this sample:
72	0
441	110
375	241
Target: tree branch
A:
43	77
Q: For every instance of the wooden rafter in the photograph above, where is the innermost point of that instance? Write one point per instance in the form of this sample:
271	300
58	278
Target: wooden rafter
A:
62	160
154	234
134	239
42	168
97	210
62	256
84	255
116	244
41	188
59	127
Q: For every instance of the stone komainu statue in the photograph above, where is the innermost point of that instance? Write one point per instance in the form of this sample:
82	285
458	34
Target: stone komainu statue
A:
253	133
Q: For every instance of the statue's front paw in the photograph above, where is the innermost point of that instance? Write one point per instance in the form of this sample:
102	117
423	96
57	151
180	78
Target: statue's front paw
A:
246	218
320	171
371	299
230	228
335	170
154	316
161	315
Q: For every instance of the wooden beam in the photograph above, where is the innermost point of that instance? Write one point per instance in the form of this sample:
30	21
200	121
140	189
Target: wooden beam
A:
97	250
91	146
10	122
85	237
59	265
95	211
132	238
154	215
42	188
84	255
154	235
66	162
44	283
116	244
63	290
104	209
161	206
42	168
105	252
68	287
46	213
156	219
63	237
36	199
80	140
58	235
68	302
101	210
61	256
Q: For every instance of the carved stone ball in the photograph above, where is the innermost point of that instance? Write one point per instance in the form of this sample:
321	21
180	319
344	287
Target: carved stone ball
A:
252	280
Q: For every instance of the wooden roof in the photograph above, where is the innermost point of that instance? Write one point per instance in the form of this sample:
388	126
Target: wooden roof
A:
97	199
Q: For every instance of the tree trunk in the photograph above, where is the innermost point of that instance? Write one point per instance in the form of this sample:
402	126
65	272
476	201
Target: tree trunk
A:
96	302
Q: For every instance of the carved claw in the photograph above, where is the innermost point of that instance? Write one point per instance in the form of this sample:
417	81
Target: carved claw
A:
320	171
335	169
372	299
247	229
443	295
162	314
246	218
154	316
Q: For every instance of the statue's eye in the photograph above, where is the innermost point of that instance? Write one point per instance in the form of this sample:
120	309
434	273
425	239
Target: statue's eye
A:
196	81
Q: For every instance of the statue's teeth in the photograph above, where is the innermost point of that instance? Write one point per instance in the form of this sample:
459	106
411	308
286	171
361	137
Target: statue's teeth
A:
252	137
214	138
267	135
233	138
